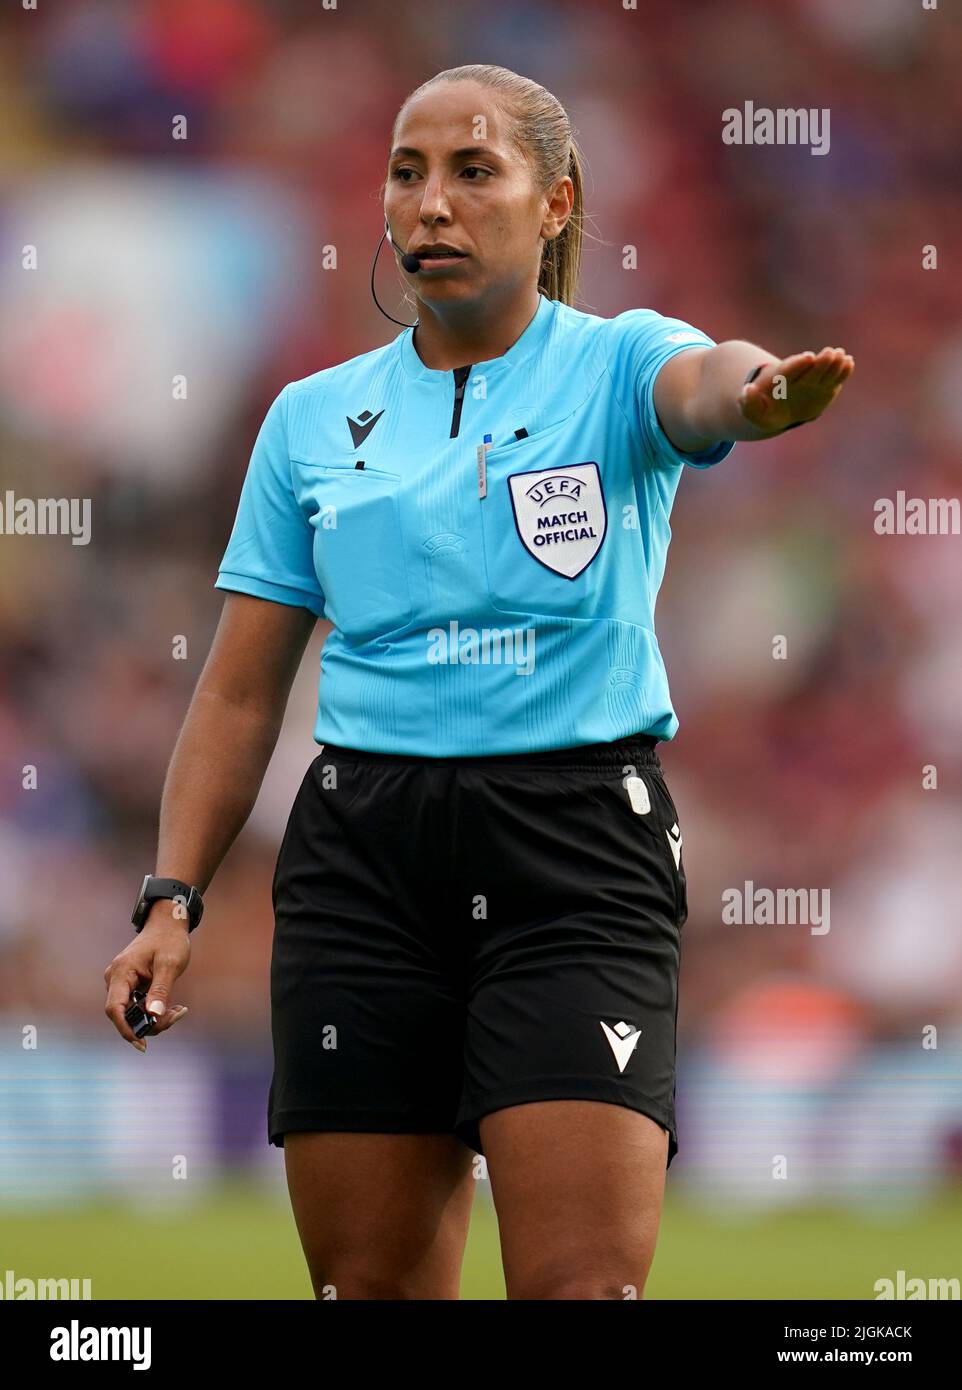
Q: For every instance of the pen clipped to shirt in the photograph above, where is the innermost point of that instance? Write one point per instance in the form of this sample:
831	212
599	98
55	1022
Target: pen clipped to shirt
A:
483	460
483	466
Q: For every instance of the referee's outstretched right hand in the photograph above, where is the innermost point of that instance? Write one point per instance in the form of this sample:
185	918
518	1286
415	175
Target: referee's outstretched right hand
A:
153	960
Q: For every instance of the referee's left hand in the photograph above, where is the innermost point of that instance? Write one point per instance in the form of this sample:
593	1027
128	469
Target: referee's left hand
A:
796	389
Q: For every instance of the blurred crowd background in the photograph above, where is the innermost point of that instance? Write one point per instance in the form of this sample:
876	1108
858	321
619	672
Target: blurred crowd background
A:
204	257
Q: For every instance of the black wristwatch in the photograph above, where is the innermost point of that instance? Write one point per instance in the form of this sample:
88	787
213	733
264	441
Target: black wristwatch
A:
153	888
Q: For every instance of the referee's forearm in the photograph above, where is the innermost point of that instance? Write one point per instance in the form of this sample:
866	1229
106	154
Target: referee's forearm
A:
215	774
714	411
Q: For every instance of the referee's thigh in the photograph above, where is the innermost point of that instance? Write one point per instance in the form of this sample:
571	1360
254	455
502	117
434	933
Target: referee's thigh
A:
578	1187
381	1216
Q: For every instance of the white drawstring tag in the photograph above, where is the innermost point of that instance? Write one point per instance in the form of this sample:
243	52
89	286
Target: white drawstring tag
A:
637	790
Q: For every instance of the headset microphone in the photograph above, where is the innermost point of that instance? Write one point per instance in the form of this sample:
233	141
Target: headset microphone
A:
410	263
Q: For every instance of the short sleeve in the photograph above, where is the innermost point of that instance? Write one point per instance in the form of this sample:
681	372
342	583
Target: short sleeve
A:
270	553
639	343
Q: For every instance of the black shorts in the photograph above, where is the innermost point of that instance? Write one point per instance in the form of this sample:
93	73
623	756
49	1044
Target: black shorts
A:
456	935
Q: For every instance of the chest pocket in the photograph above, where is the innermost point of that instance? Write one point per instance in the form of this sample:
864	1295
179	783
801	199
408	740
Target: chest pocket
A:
544	524
358	545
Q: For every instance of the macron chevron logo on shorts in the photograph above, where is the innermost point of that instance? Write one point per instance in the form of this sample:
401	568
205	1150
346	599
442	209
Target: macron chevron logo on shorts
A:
623	1041
674	839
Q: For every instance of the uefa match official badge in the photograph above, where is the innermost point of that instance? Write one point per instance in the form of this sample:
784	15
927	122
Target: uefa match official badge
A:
560	515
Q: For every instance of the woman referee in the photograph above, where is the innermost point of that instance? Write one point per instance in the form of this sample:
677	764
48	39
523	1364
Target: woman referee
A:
479	894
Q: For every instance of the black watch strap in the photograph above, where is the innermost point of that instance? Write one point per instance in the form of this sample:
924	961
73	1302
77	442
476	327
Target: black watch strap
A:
154	888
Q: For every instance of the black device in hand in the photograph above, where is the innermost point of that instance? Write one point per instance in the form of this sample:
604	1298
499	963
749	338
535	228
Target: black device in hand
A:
140	1021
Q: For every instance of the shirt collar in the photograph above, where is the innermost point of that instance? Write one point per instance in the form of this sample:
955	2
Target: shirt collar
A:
530	341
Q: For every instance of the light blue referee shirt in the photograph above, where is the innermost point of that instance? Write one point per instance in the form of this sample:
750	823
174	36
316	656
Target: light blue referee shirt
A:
486	598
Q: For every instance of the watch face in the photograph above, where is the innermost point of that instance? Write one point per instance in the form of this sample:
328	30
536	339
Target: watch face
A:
137	916
190	907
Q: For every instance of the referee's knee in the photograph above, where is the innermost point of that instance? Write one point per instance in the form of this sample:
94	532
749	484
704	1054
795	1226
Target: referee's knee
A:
359	1281
574	1284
